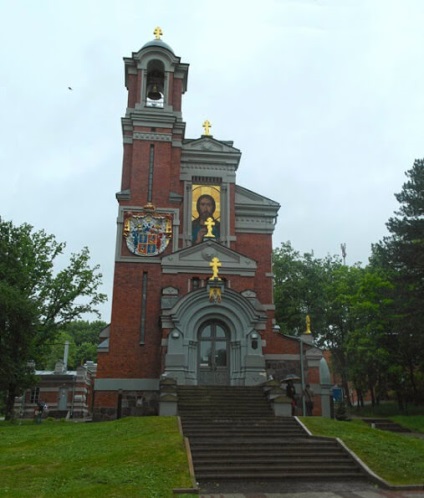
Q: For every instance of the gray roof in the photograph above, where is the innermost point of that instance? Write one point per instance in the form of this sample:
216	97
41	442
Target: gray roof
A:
157	43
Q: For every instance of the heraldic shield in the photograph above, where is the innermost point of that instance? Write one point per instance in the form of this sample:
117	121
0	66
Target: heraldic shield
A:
147	234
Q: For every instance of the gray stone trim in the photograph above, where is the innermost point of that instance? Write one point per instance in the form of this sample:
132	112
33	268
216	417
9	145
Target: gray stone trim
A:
257	225
126	384
209	157
195	259
222	172
174	197
124	195
160	137
254	213
291	357
240	317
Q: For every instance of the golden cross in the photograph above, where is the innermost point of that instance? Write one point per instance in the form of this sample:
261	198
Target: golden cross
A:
308	324
209	225
158	32
207	126
215	264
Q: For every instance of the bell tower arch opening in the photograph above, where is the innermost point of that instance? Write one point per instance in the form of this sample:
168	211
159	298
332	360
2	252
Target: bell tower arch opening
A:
155	84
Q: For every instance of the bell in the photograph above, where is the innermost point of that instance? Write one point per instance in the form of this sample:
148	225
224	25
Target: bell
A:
154	93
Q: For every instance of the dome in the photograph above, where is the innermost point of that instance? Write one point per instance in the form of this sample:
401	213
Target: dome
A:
157	43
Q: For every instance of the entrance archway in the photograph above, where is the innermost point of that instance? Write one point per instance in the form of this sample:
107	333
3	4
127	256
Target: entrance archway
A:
213	354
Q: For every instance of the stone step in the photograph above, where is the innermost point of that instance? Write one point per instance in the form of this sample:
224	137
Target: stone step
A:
385	424
235	444
259	458
267	466
235	436
241	434
306	474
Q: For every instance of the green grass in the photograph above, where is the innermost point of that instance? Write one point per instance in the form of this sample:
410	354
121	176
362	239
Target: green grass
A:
132	457
145	457
384	409
415	423
397	458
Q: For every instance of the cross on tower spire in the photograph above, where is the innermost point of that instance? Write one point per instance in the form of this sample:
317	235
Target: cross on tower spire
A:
158	32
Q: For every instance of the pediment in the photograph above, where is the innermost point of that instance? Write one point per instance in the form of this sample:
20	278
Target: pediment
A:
207	143
245	197
195	260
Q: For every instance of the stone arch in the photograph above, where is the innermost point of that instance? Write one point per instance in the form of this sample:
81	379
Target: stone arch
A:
237	314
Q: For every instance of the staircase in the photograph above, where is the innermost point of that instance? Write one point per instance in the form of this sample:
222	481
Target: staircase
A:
234	436
385	424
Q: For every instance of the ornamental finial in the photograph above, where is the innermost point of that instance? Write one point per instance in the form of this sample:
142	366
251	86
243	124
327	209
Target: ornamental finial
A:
215	264
207	126
308	324
158	32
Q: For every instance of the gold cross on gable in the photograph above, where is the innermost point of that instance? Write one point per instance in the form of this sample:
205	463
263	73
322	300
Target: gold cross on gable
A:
158	32
215	264
207	126
209	225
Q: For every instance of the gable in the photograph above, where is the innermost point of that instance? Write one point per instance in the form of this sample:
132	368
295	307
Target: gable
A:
207	157
207	143
254	212
196	259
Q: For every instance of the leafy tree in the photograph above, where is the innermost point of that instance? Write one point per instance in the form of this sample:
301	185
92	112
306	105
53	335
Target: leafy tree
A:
402	255
83	338
35	300
347	305
298	289
367	354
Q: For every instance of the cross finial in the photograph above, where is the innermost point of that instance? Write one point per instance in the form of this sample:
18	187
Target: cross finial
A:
207	126
308	325
215	264
158	32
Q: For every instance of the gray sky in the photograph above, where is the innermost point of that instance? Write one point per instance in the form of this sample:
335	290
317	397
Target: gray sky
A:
324	98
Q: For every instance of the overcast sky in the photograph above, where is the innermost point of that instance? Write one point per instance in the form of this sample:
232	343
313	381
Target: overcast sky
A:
324	98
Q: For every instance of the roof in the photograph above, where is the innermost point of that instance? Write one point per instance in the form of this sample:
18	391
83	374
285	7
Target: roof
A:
157	43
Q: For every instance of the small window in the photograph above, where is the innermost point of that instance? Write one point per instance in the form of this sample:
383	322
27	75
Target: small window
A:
195	283
35	395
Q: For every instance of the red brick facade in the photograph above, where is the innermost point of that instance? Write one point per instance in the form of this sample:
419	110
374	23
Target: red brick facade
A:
163	321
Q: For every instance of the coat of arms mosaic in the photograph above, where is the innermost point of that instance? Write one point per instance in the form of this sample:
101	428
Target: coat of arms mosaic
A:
147	233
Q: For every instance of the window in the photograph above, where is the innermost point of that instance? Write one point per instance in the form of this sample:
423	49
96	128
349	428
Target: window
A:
35	395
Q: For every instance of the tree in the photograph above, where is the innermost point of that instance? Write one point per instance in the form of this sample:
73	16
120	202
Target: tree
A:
402	255
298	289
83	339
35	300
348	306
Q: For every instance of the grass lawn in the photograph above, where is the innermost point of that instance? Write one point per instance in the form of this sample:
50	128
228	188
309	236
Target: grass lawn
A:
132	457
397	458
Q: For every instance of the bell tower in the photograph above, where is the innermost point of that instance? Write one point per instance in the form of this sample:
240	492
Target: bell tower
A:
153	128
179	211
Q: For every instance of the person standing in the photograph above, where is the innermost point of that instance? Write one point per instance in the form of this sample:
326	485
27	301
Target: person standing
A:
309	400
291	393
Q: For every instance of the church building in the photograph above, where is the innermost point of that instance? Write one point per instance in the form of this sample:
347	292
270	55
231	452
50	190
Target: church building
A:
193	282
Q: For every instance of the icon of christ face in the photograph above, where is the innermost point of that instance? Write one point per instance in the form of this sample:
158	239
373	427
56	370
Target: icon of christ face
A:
206	207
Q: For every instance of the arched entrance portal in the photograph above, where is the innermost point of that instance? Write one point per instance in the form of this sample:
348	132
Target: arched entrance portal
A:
213	354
